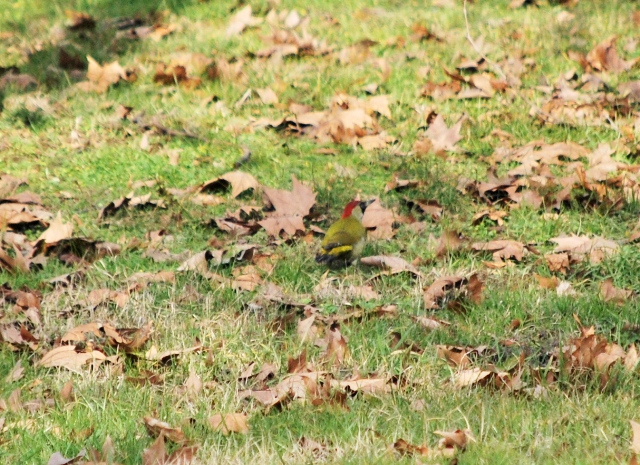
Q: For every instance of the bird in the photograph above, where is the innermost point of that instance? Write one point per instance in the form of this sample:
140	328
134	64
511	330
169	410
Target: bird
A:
344	240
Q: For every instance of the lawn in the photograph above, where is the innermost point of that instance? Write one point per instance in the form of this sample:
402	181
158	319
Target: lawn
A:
167	170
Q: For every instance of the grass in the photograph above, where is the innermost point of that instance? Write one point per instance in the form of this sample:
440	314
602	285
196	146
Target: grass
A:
575	423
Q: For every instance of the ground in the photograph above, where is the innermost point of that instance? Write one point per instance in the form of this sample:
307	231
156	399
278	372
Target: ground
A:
524	351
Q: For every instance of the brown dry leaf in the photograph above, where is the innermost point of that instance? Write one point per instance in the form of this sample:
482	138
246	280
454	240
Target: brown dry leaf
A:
470	377
102	77
495	216
143	277
502	249
455	356
363	292
268	96
597	248
429	207
631	359
363	385
246	279
298	201
306	330
392	265
450	241
609	293
153	354
99	296
242	20
142	201
57	231
58	459
157	454
13	264
68	357
16	373
290	208
66	393
157	428
444	139
229	423
431	323
77	334
457	438
379	104
134	339
604	57
404	448
435	293
170	75
290	225
379	221
336	345
546	283
558	262
441	91
635	439
18	336
266	397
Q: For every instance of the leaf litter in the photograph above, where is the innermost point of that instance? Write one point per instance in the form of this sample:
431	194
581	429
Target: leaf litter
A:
548	178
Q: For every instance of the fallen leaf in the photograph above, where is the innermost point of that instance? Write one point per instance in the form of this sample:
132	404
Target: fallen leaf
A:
404	448
58	459
157	428
66	393
444	139
502	249
597	248
437	291
457	438
609	293
298	201
100	78
558	262
547	283
290	225
431	323
68	357
392	264
470	377
306	330
242	20
635	439
336	345
379	221
229	423
604	57
364	385
268	96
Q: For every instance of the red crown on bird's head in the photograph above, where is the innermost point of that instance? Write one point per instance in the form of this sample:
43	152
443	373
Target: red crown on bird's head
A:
349	208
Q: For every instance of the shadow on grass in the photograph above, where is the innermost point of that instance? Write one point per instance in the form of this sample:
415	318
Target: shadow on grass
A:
59	63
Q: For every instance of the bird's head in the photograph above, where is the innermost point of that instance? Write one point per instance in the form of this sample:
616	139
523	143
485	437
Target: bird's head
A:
356	209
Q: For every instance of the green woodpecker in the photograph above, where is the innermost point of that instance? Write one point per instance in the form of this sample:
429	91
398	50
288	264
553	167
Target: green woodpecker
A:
345	238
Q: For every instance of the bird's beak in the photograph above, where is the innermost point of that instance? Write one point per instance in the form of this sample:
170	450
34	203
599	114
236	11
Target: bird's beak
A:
365	203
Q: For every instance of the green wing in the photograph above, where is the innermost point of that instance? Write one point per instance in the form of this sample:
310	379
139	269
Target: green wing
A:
342	238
